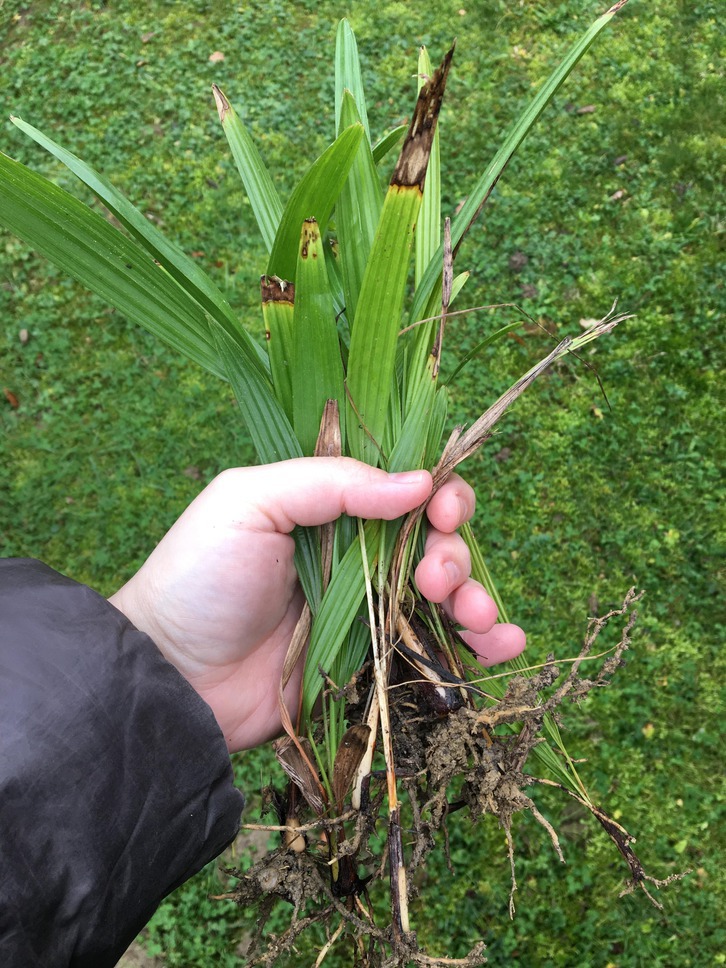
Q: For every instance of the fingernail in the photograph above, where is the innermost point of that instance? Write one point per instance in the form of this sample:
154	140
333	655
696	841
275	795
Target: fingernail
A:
408	477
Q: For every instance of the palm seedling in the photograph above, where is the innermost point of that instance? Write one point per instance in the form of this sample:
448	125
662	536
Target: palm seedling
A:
350	367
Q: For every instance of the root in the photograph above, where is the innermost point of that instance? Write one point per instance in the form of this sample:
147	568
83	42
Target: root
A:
622	840
510	851
544	822
480	752
638	876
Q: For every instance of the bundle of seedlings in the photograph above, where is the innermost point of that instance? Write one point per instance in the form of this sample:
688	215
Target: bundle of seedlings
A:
397	722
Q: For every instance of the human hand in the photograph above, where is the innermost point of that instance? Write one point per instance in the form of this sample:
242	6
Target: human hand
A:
220	595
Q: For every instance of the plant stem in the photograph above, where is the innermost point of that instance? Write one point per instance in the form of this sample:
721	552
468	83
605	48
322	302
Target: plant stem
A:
381	655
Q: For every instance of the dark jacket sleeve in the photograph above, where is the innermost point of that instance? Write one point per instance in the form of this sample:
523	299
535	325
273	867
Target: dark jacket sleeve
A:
115	782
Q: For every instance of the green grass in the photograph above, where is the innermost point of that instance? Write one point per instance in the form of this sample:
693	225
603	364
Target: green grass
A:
114	434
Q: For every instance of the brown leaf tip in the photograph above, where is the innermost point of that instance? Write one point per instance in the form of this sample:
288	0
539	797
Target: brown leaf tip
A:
414	158
223	105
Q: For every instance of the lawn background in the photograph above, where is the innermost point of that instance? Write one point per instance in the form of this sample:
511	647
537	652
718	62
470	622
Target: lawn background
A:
618	193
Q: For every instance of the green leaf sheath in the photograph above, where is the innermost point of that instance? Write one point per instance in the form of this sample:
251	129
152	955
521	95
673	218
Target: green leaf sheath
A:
410	446
338	609
265	201
271	432
437	423
314	197
377	322
84	244
317	368
341	605
278	309
274	440
517	133
357	213
354	652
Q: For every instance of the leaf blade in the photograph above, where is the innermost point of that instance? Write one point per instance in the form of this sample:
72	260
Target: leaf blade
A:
271	431
348	77
180	267
428	229
372	357
387	143
314	197
517	133
82	243
357	213
274	440
256	179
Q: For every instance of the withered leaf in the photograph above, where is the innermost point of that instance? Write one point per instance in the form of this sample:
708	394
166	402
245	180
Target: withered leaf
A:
299	769
413	161
11	398
328	445
347	760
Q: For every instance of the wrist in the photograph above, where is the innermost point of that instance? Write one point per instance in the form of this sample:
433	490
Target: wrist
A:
129	601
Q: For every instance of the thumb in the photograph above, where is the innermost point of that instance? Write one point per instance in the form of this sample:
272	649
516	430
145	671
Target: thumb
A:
315	490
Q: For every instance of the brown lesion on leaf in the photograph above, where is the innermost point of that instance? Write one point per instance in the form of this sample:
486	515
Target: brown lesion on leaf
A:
410	171
309	238
275	289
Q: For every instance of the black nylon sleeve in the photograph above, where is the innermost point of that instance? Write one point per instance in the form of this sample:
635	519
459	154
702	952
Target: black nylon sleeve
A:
115	782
